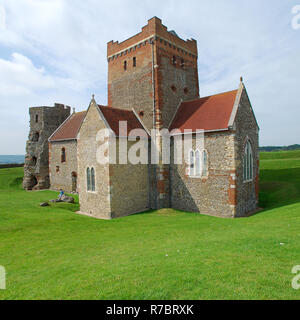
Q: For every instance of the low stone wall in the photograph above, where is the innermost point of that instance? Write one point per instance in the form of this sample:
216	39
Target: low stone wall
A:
11	165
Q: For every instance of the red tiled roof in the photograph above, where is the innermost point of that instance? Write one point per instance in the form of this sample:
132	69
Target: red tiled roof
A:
113	116
208	113
69	128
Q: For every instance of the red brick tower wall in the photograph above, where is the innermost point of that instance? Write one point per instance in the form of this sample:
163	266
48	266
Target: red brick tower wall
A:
176	74
132	88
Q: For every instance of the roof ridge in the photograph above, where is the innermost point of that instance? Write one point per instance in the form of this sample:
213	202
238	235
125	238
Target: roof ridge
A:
212	95
115	108
79	112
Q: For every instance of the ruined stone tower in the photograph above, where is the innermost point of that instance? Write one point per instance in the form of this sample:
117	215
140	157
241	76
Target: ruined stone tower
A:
152	72
43	122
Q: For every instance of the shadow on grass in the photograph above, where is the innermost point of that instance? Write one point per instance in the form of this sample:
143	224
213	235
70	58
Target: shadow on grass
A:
16	183
73	207
279	187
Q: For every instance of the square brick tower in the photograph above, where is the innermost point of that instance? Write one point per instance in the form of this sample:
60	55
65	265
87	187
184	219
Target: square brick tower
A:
152	72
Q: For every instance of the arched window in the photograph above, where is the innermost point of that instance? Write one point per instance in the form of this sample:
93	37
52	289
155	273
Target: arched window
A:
63	155
88	179
191	162
204	167
248	162
93	179
197	163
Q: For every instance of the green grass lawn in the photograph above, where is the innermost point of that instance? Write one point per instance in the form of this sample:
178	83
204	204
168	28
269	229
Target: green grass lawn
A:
53	253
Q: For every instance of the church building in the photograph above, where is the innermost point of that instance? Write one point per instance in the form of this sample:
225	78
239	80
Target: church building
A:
153	88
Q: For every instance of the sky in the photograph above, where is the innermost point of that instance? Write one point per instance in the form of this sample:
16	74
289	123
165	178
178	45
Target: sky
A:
55	51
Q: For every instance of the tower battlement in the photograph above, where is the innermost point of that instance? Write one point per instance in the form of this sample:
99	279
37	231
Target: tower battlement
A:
154	30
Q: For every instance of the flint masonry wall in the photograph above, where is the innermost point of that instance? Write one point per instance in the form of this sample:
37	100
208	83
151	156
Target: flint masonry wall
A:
246	128
129	185
43	122
63	174
211	194
97	203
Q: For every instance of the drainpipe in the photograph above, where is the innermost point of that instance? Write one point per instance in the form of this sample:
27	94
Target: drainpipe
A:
154	126
153	87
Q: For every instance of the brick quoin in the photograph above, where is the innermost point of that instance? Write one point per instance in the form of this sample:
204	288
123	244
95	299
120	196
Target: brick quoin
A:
257	182
161	187
232	194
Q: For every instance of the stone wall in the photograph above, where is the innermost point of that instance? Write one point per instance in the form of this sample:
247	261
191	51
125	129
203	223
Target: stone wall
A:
246	128
63	175
43	122
129	186
95	203
207	195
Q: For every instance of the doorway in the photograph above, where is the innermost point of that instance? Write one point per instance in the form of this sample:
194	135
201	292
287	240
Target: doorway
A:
74	181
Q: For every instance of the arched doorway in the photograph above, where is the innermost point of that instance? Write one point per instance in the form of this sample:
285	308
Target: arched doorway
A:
74	181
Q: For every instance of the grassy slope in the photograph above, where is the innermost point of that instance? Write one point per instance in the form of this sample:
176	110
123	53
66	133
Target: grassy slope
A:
52	253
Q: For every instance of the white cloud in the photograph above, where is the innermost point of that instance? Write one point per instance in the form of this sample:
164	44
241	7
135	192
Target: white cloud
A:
20	76
55	50
2	18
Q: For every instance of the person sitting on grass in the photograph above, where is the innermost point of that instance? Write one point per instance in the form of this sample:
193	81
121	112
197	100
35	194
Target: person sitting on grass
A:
61	193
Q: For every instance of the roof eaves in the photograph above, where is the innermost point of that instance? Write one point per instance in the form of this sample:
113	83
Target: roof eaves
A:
196	131
105	121
141	122
174	115
236	105
66	139
69	117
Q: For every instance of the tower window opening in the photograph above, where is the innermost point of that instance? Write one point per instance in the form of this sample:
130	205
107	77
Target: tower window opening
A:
134	62
182	63
173	88
34	160
125	65
36	137
36	118
186	90
63	155
174	60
